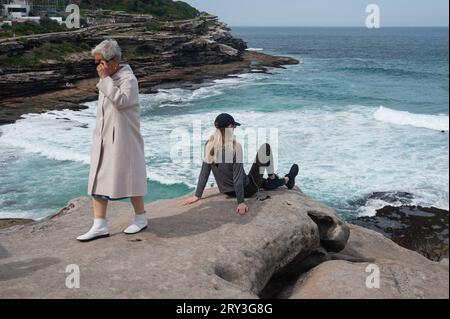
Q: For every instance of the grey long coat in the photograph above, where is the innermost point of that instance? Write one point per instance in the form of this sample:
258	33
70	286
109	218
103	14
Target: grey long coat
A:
118	166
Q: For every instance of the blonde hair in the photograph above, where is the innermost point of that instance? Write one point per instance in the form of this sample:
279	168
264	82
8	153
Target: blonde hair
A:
222	141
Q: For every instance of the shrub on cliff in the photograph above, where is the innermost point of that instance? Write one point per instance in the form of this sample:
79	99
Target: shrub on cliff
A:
45	25
164	9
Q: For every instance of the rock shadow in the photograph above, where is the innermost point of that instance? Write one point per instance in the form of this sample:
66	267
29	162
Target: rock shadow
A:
20	269
197	220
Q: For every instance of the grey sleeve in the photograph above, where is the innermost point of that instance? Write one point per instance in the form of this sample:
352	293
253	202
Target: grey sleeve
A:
238	181
203	179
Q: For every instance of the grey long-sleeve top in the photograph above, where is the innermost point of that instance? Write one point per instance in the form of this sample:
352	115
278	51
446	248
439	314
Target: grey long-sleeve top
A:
229	177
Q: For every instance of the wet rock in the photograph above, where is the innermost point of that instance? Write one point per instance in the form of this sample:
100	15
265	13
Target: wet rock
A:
421	229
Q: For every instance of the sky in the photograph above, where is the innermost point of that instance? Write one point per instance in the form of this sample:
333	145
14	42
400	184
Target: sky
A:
325	12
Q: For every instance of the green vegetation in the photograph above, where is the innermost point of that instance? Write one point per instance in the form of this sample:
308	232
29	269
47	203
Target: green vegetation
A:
163	9
153	25
206	26
46	25
33	58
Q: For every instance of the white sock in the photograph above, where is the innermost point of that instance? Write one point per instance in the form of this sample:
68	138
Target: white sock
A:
139	223
100	223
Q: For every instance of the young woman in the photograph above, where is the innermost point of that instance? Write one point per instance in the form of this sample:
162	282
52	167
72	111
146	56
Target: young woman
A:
223	156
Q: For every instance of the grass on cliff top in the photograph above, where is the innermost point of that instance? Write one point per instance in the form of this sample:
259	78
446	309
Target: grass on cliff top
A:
36	57
163	9
46	25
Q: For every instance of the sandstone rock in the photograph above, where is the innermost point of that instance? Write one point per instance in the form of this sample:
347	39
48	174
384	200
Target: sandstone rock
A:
208	251
160	53
25	82
345	280
152	74
200	41
8	222
334	233
365	245
201	251
228	50
403	273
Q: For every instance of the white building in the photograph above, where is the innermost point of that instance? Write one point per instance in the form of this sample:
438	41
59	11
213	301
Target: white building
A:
16	9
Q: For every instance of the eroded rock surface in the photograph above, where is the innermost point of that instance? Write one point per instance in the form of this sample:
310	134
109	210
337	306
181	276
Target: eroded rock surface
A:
202	251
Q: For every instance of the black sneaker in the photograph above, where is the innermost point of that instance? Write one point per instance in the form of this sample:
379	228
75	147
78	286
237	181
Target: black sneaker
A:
293	172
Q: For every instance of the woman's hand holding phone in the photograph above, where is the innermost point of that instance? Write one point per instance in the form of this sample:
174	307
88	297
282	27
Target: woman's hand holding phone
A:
103	70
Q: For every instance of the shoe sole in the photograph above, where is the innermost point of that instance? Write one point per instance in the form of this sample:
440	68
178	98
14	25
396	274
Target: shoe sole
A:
91	239
136	232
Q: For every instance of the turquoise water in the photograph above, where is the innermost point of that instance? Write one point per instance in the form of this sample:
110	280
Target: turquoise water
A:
365	111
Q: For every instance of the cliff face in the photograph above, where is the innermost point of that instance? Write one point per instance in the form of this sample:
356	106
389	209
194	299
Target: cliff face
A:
286	246
149	45
56	71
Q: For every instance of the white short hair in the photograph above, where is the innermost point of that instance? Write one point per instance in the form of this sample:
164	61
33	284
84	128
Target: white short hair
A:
109	49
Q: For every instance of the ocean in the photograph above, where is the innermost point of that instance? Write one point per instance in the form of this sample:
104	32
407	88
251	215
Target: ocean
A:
364	113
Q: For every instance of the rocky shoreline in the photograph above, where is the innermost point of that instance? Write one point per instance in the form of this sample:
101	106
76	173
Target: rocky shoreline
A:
175	54
422	229
289	246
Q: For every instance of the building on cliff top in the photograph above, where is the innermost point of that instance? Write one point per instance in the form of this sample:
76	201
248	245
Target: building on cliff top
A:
17	9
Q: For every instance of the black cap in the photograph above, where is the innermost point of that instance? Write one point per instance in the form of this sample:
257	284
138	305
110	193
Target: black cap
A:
224	120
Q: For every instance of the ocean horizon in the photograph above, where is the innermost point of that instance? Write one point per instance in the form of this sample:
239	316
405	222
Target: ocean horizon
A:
365	112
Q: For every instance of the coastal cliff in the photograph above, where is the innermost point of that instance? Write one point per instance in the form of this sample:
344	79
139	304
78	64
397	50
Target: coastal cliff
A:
289	246
55	70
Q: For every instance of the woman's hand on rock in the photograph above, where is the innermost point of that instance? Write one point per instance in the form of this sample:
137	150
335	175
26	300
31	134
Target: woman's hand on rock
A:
242	208
190	200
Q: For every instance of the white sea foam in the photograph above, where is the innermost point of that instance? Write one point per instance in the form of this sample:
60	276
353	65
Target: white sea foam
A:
423	198
184	97
344	155
255	49
433	122
59	135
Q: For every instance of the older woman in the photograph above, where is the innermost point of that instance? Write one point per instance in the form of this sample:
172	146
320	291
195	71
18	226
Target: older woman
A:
118	167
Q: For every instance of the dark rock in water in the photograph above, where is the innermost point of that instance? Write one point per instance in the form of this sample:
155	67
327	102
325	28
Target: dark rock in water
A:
393	197
422	229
